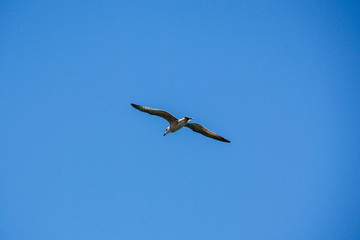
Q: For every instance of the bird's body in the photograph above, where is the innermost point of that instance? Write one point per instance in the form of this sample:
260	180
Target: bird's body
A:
177	124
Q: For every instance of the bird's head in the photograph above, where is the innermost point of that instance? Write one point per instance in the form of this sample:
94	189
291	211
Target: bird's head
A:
167	130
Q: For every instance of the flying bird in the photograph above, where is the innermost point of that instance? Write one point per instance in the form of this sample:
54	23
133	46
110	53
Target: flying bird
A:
176	124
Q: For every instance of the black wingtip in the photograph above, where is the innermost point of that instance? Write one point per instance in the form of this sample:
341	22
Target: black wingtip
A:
134	105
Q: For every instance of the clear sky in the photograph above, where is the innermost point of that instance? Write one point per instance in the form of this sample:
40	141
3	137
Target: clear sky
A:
280	79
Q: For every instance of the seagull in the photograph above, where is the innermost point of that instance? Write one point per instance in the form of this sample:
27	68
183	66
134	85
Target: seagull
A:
176	124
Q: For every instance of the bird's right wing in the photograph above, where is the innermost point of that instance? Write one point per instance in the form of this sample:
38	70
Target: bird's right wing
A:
158	112
196	127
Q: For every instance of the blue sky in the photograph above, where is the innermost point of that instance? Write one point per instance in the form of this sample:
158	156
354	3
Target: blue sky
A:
279	79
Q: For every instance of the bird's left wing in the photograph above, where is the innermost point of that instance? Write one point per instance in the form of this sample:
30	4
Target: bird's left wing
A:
158	112
196	127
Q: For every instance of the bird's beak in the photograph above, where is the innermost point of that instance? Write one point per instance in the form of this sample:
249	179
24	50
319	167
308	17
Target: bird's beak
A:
164	134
